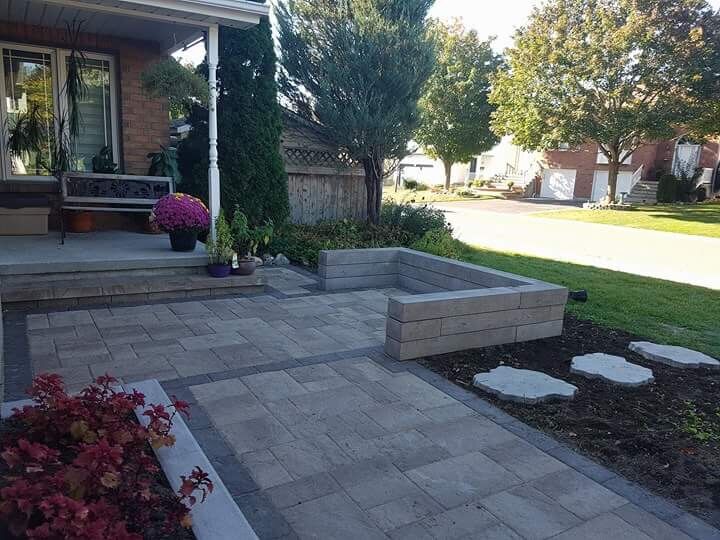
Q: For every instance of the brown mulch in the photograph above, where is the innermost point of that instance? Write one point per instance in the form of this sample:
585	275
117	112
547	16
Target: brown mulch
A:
637	432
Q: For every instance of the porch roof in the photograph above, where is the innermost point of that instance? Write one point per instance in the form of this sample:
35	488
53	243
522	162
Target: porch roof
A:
173	23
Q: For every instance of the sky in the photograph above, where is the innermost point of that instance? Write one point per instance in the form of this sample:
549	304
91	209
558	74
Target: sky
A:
499	19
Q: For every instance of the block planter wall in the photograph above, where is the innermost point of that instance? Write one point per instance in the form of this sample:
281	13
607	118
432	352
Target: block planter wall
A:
452	305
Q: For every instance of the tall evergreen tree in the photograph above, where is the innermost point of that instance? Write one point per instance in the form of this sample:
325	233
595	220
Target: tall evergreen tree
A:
252	173
358	68
455	113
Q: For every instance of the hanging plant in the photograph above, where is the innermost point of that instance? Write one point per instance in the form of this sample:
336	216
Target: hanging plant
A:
75	86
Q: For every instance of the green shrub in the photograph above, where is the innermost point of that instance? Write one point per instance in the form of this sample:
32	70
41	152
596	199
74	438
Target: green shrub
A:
410	184
302	243
421	187
667	188
439	242
415	220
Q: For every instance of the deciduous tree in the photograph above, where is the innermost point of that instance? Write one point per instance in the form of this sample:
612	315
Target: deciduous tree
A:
620	73
455	112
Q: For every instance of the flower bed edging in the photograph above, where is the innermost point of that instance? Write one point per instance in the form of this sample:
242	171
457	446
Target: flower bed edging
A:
218	518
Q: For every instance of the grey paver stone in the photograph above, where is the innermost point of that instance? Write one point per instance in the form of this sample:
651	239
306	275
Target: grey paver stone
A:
233	409
304	457
265	469
654	527
610	368
524	459
467	434
399	512
255	434
673	356
603	527
332	517
530	513
446	413
192	363
417	392
576	492
457	480
379	490
360	369
302	490
397	416
218	389
469	520
210	341
523	385
312	373
332	402
273	386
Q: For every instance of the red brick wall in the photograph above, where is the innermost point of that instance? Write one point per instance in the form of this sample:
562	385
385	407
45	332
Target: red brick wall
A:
654	157
144	121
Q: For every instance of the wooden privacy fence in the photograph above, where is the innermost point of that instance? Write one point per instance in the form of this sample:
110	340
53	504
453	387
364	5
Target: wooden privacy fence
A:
324	183
318	194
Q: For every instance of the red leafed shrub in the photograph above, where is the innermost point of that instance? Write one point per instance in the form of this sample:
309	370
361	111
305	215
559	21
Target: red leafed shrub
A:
81	467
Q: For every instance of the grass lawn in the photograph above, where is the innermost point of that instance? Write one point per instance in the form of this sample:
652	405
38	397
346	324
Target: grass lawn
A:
427	196
698	219
659	310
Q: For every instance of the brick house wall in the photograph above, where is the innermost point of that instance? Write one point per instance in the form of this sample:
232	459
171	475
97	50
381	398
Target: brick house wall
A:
143	121
654	158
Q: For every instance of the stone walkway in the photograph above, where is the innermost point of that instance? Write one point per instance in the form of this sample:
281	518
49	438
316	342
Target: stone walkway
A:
317	434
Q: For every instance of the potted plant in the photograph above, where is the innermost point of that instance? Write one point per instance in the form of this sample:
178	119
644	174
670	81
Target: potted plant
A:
220	250
183	217
247	241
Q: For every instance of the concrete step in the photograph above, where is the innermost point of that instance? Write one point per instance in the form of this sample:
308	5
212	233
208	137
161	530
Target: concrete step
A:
111	289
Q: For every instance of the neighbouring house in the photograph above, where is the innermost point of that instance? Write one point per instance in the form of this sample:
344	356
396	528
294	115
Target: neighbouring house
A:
582	173
119	39
503	163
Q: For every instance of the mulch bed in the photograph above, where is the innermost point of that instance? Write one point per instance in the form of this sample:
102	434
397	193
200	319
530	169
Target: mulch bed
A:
638	432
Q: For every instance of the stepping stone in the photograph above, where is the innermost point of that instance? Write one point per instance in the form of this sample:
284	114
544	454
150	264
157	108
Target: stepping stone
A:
523	385
614	369
671	355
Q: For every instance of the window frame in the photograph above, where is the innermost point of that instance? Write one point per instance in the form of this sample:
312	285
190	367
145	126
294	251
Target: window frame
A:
58	56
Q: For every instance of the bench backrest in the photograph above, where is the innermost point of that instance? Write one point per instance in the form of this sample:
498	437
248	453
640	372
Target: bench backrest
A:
115	189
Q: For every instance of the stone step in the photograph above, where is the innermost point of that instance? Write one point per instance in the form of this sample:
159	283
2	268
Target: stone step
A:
112	289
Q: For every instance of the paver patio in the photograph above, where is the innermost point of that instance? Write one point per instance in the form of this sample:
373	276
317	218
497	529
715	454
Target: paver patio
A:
318	435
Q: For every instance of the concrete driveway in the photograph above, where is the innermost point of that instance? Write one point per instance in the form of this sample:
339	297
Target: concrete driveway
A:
507	225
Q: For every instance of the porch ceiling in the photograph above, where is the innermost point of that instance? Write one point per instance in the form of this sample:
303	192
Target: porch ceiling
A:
173	23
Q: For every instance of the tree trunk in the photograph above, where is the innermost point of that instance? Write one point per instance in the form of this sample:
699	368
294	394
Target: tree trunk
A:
448	173
613	168
373	186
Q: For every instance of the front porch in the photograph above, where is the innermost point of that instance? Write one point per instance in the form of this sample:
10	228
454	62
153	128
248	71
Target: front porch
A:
117	41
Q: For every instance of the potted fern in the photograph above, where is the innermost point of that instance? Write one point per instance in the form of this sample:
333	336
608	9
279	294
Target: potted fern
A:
220	250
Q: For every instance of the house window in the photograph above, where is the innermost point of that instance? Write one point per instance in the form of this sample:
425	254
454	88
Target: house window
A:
602	158
33	83
28	91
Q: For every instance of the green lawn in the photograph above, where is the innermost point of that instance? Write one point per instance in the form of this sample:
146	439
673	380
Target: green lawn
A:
698	219
659	310
428	196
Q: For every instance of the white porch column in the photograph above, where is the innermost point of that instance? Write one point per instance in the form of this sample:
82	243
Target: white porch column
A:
213	171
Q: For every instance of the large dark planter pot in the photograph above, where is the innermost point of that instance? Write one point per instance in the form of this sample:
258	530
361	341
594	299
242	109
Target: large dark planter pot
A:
183	240
80	222
245	267
219	270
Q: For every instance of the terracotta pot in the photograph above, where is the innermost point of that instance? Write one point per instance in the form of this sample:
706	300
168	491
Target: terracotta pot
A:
245	267
183	240
150	227
219	270
80	222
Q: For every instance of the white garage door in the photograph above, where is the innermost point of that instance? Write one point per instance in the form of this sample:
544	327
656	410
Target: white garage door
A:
558	184
600	183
